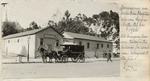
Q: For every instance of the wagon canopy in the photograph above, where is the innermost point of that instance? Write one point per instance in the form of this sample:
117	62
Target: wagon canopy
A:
74	48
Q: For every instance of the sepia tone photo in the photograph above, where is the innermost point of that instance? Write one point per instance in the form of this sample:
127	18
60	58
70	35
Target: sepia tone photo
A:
60	39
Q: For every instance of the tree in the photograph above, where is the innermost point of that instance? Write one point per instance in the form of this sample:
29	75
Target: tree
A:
33	25
88	21
10	28
95	16
107	21
111	22
75	25
67	14
115	17
51	23
104	15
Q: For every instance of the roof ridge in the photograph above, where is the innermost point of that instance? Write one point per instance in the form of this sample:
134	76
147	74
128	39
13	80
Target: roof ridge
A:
88	37
84	34
25	32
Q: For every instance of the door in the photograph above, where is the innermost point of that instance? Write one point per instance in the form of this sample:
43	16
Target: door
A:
49	43
49	47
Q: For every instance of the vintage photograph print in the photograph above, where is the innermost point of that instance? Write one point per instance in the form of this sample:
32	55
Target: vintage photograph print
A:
60	39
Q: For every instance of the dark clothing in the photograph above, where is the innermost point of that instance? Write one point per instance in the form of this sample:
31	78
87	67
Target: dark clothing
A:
109	57
105	55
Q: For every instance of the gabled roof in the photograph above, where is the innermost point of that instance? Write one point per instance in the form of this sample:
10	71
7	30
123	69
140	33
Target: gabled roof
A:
31	32
81	36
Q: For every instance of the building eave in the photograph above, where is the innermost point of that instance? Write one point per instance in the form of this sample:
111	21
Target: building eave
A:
30	33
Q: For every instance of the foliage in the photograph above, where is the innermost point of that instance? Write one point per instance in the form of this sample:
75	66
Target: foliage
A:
33	25
108	23
110	26
67	14
9	27
68	24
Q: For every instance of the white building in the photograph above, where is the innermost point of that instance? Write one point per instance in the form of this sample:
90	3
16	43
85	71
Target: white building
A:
28	42
25	43
94	46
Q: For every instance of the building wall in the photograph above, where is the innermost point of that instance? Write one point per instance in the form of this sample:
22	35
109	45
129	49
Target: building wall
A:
68	40
32	46
19	45
93	51
48	40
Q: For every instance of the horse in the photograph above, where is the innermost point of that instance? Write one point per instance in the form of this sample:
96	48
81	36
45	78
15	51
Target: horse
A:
43	52
50	54
54	54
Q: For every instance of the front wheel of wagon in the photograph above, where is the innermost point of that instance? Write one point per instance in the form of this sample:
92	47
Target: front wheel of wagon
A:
64	58
81	58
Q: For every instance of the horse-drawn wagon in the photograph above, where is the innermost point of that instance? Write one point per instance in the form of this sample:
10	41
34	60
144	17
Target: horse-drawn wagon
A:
75	52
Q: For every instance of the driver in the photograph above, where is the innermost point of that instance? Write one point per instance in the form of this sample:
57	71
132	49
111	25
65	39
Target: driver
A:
66	49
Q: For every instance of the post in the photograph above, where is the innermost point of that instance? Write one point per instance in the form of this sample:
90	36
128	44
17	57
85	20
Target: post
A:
5	6
28	47
96	55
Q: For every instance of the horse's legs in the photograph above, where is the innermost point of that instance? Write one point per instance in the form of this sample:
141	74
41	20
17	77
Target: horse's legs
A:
50	59
55	56
45	59
56	60
42	58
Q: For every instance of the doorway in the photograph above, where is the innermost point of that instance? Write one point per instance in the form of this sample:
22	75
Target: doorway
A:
49	43
50	47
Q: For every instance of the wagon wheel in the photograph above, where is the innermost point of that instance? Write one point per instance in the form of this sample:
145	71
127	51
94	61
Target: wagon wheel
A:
74	59
81	58
64	58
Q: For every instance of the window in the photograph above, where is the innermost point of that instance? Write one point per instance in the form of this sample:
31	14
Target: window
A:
8	41
80	43
97	46
88	45
41	41
18	40
57	43
102	45
107	45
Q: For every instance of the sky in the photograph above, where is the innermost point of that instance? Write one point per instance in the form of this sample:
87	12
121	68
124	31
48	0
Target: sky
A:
40	12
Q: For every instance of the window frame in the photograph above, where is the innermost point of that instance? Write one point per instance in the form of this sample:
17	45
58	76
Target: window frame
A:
18	40
108	46
97	46
57	42
88	45
102	45
41	41
80	43
8	41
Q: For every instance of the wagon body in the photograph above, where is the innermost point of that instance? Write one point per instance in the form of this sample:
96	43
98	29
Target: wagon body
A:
75	52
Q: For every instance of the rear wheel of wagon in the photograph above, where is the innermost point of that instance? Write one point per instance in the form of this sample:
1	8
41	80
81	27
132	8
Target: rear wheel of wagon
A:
64	58
81	58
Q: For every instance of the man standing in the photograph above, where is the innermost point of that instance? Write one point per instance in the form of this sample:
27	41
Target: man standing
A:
109	56
104	54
